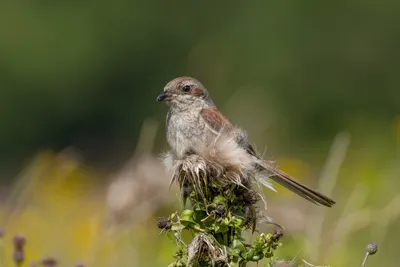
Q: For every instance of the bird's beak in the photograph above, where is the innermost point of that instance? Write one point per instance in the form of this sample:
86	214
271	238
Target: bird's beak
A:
164	96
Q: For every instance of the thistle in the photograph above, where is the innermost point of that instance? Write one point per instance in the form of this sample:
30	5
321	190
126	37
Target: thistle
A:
220	204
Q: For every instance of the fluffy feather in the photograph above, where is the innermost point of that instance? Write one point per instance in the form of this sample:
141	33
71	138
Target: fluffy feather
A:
223	159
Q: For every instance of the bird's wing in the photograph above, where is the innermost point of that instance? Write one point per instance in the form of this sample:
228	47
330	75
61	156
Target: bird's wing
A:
215	121
218	124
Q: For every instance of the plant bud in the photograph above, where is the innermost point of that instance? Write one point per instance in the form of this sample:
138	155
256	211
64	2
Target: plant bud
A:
372	248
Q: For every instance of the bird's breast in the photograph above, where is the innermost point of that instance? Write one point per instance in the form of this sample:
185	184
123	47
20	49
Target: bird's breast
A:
185	132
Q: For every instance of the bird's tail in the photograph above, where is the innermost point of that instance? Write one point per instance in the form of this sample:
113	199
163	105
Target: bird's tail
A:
295	186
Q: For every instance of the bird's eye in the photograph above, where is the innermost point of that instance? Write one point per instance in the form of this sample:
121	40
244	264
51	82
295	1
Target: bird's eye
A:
186	88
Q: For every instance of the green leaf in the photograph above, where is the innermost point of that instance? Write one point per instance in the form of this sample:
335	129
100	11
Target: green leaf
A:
238	247
219	200
258	257
187	216
236	222
200	215
177	227
209	218
250	254
225	222
221	229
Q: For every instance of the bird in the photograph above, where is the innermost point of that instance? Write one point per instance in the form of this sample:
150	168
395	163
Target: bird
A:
193	121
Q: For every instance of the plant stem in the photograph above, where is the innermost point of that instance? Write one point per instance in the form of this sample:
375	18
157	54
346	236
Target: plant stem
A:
1	253
365	259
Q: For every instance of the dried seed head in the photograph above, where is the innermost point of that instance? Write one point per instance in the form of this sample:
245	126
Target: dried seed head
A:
1	232
372	248
203	247
278	233
220	209
18	256
49	262
250	197
19	241
163	223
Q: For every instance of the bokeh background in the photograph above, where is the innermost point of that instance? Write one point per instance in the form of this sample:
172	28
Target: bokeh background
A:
315	83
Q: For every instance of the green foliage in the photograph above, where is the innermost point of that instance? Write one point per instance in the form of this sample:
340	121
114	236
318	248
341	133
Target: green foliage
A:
217	222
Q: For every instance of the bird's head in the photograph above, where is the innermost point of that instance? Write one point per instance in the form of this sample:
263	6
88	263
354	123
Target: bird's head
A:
184	93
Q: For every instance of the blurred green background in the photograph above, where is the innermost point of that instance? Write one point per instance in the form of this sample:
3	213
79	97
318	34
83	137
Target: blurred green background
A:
298	75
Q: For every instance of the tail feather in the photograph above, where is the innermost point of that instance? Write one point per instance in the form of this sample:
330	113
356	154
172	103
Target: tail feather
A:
295	186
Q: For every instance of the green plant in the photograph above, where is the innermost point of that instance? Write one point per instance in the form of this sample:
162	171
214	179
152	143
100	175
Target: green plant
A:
223	206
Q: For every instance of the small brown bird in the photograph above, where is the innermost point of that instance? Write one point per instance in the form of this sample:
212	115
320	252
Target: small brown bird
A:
193	122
